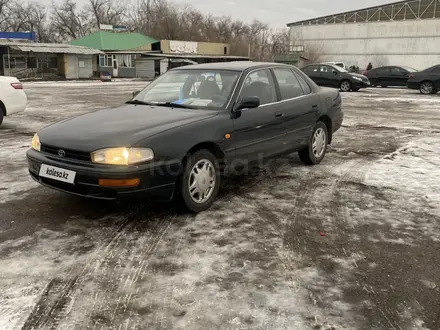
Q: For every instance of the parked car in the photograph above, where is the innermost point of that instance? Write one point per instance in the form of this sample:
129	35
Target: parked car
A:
182	142
12	97
334	76
427	81
389	75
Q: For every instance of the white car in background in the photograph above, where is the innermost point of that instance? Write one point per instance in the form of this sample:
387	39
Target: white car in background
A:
12	96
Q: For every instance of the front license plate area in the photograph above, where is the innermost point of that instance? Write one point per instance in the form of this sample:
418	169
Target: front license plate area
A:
57	173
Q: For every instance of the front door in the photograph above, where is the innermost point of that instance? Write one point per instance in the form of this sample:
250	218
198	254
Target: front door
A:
115	67
398	76
257	131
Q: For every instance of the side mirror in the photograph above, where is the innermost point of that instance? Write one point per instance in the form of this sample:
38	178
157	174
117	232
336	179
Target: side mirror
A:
136	93
248	103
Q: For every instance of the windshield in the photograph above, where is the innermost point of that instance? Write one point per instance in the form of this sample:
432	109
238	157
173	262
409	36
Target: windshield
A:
197	89
339	68
407	68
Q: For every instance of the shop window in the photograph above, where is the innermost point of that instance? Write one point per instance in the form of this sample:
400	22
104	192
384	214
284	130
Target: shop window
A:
32	62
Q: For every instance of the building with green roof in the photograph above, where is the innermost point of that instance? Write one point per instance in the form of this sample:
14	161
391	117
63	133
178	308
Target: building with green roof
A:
121	51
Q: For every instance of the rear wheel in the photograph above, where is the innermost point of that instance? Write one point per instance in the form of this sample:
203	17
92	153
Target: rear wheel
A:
200	181
427	87
345	85
315	151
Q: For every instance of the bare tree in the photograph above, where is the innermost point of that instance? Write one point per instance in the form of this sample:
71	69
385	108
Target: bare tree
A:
313	52
70	23
107	11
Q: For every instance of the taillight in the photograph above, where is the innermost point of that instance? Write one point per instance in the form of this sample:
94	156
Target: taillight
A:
411	76
17	85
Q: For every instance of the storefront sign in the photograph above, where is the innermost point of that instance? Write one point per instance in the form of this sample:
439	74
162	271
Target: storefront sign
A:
183	47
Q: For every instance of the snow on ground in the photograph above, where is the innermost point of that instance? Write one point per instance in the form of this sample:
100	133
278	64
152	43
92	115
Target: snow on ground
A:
349	244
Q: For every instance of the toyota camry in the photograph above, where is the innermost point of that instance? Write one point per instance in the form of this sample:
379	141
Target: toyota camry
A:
179	136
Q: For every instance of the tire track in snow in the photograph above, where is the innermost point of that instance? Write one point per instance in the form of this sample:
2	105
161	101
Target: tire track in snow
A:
58	293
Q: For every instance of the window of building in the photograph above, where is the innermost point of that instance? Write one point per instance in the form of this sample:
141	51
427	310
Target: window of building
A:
125	61
15	61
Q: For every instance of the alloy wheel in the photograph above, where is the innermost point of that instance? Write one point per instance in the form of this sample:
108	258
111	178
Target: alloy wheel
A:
345	86
426	88
319	142
202	181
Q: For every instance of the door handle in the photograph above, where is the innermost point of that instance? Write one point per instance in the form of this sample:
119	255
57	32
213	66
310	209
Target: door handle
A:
279	114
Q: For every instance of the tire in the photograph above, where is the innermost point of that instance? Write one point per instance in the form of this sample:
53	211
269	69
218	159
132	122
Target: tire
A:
199	158
2	110
307	155
345	85
427	87
373	82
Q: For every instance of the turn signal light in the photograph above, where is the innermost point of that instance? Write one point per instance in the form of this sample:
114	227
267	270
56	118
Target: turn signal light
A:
119	183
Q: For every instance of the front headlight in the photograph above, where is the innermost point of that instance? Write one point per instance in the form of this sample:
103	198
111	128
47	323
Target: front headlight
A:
122	156
357	78
36	145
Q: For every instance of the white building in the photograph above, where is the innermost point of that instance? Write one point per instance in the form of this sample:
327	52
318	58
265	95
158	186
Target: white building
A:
401	33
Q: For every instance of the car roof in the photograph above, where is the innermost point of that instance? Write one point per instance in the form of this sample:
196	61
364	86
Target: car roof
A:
234	66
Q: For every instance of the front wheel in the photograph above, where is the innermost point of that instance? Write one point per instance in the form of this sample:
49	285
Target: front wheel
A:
345	86
427	87
314	153
200	181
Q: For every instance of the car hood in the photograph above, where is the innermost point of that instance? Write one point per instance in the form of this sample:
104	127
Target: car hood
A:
122	126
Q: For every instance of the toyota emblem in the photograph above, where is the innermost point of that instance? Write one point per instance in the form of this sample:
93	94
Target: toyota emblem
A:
61	153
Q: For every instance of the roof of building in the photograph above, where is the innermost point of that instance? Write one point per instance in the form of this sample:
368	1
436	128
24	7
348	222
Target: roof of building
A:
395	11
194	56
107	40
49	48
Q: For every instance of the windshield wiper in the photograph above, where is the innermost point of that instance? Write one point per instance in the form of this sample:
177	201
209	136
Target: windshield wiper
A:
174	105
139	102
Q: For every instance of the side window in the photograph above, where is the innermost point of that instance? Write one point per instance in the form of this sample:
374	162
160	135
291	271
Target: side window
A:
324	69
383	70
311	68
260	84
395	70
288	83
436	69
305	86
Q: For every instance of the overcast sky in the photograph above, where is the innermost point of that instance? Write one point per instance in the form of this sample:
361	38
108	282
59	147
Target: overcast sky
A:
277	13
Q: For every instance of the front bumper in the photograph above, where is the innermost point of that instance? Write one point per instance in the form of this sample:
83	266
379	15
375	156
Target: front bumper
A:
157	181
361	84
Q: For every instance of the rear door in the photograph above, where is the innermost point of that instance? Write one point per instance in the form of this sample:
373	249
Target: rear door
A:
313	72
258	131
383	76
298	105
